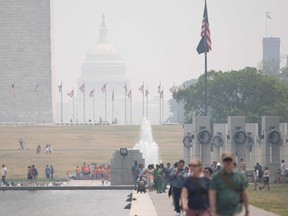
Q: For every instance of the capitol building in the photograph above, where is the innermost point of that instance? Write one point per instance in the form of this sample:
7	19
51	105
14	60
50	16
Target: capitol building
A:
103	74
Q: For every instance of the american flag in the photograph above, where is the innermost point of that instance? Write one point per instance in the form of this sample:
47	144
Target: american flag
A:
161	94
82	88
103	89
159	88
205	45
12	88
60	88
146	93
141	88
129	94
91	94
71	93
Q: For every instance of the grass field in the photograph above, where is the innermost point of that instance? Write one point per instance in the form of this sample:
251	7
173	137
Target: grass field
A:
275	200
72	145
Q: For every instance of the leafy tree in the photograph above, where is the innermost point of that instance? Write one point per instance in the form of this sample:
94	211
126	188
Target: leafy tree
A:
245	93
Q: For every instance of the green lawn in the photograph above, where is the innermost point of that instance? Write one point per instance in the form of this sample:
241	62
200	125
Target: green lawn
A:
275	200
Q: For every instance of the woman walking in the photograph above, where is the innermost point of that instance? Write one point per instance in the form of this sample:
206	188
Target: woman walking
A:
195	191
158	178
266	178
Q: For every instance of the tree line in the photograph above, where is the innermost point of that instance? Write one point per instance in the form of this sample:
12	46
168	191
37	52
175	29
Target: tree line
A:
247	92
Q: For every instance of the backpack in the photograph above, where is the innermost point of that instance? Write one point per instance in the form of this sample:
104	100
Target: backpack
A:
34	172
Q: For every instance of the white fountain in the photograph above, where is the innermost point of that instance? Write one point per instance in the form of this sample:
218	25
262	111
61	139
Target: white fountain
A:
146	144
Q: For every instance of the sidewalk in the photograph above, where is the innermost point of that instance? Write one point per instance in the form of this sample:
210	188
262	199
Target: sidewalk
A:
153	204
164	207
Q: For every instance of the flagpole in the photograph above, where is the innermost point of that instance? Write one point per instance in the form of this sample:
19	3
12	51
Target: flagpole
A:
147	104
73	106
93	107
205	46
38	106
113	106
160	109
105	103
61	103
84	103
162	120
131	108
125	104
14	106
143	99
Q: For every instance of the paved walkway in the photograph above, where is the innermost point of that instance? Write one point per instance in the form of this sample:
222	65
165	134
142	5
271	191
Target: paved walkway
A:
153	204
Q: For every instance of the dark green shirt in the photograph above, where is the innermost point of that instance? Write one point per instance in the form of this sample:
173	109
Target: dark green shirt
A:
228	201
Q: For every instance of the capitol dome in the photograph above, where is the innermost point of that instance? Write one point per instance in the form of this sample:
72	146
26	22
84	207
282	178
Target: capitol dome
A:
103	51
103	76
103	59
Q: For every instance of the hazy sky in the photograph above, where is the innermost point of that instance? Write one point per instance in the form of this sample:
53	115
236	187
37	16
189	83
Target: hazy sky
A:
158	38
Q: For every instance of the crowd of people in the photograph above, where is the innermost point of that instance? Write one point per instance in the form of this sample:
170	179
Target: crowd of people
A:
197	190
93	171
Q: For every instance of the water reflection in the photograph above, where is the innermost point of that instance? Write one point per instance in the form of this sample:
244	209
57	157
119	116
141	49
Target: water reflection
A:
62	203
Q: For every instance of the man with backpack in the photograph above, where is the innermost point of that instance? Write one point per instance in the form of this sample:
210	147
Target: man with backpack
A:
34	173
228	189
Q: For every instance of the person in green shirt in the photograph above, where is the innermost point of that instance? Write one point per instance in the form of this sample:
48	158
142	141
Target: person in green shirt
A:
227	191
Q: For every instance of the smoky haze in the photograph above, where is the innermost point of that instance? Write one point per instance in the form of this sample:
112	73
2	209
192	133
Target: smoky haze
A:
158	39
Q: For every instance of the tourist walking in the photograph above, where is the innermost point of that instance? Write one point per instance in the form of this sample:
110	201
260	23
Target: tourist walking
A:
166	177
51	172
227	191
78	171
208	172
242	167
266	178
282	170
4	174
34	173
150	177
38	149
21	144
29	175
194	194
177	176
135	173
258	174
158	178
47	171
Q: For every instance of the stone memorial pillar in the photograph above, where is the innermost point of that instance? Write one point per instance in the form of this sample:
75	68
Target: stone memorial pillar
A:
187	142
271	143
284	146
252	148
201	148
219	140
237	136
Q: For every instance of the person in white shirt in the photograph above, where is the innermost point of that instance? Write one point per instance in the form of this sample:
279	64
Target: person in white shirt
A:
4	174
266	178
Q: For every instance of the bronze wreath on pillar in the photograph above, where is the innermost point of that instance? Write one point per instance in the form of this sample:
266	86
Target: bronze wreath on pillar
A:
218	141
239	137
204	137
274	136
187	140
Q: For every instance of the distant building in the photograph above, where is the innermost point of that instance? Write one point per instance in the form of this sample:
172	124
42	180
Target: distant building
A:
103	65
271	55
25	62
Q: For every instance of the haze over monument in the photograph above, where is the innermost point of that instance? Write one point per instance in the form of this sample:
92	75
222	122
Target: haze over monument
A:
154	48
